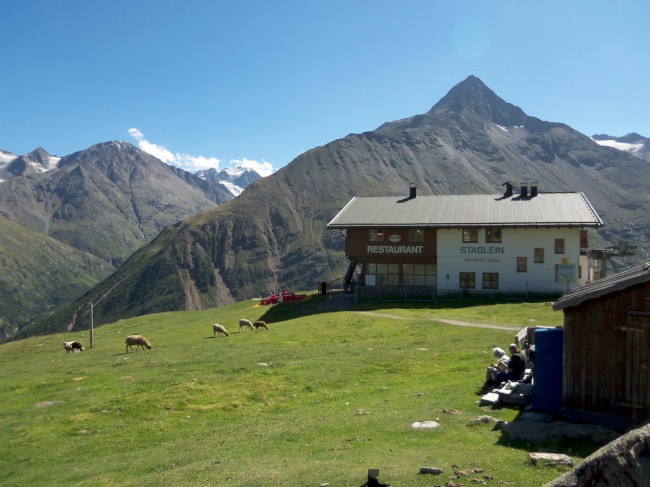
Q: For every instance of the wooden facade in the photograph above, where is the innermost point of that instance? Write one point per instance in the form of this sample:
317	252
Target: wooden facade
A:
606	351
413	249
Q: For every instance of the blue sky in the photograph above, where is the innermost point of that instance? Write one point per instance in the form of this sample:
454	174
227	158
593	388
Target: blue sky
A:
218	83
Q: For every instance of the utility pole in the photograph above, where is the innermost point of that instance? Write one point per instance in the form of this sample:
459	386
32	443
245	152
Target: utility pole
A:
92	330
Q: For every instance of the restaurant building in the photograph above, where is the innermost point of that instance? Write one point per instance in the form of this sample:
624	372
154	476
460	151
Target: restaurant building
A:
530	242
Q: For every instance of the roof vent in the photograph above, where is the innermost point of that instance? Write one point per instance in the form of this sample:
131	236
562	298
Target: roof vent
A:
533	188
412	191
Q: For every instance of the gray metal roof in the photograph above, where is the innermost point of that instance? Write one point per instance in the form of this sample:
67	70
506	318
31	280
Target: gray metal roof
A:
447	211
606	285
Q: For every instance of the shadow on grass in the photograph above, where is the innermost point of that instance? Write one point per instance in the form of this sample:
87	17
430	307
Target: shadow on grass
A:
553	442
340	301
224	336
122	353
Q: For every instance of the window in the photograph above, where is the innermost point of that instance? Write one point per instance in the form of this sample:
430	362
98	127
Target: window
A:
565	272
522	264
470	235
416	235
382	274
493	235
539	256
467	280
490	280
376	235
559	245
419	274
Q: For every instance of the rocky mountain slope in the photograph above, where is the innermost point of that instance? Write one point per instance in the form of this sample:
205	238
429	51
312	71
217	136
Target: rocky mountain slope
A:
273	235
97	207
41	273
110	189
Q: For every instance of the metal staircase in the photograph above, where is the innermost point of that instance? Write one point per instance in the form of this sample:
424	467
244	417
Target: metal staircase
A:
352	276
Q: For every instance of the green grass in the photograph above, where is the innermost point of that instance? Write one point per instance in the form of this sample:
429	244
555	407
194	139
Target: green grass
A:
318	398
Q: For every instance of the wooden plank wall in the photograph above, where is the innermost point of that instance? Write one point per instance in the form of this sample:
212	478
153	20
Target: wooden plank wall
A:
606	354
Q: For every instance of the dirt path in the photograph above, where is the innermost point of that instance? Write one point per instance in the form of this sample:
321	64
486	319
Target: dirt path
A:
449	322
345	302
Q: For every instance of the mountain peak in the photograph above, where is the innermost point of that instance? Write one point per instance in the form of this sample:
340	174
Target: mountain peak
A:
468	86
473	96
40	156
469	100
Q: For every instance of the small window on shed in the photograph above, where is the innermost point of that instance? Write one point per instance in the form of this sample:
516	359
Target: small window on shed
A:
539	256
376	235
470	235
493	235
559	245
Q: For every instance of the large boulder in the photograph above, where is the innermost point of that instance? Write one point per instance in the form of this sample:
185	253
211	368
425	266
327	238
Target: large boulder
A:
624	462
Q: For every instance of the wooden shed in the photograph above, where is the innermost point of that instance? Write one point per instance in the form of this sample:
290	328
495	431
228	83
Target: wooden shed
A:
606	351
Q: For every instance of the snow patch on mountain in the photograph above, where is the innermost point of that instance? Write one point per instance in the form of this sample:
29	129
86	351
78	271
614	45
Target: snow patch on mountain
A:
233	188
6	158
37	161
234	179
51	163
624	146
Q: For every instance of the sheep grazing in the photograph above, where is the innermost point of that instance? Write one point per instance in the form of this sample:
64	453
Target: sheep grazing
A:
260	325
137	340
217	328
245	323
72	347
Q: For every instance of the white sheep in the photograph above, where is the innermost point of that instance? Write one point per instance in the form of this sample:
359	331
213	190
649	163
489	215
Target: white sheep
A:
67	346
245	323
260	325
217	328
137	340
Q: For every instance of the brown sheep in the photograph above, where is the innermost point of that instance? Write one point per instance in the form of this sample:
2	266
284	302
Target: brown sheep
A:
137	340
217	328
260	325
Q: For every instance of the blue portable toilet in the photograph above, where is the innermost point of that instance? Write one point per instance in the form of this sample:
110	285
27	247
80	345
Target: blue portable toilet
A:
547	393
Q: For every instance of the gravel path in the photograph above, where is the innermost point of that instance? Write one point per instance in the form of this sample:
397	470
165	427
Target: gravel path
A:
345	302
449	322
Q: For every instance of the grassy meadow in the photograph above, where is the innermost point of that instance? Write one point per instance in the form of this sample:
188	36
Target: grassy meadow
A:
319	398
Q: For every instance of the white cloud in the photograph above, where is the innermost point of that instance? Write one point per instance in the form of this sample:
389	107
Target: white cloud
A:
195	163
155	150
263	168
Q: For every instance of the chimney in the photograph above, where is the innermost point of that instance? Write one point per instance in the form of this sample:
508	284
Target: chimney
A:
508	192
524	189
533	188
412	191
